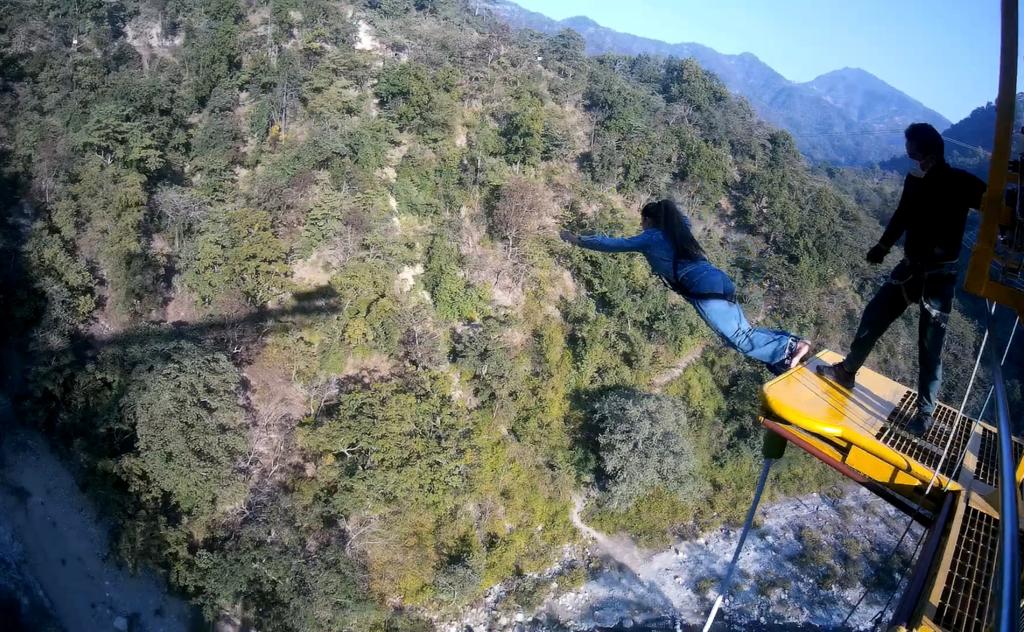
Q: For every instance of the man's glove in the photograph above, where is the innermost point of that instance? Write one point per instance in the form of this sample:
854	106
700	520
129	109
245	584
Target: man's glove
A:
877	254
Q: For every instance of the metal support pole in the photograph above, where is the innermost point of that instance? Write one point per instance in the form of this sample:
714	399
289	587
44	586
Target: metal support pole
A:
1009	558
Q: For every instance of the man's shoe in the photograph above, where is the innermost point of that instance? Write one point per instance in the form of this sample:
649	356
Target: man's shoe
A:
920	424
837	373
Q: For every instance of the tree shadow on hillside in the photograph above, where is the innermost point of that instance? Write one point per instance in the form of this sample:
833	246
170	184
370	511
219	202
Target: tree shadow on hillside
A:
231	333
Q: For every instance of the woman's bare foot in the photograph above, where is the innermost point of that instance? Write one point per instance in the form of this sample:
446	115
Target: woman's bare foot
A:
801	350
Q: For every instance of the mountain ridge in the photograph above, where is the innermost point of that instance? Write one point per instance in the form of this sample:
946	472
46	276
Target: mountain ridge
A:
847	116
968	141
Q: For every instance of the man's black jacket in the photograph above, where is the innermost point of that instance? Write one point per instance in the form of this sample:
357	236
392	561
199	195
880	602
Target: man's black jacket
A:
933	212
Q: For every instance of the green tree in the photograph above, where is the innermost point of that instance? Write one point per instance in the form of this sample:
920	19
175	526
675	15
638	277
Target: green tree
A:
686	81
564	52
183	405
325	219
627	150
646	443
429	183
370	316
272	571
214	153
112	202
60	276
236	253
701	165
330	89
419	100
211	46
523	131
111	134
392	8
454	297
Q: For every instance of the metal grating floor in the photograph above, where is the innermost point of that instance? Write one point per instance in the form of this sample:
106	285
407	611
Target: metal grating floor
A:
926	450
964	605
988	458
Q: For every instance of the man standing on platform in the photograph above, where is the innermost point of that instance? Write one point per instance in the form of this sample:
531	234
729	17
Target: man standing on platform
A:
933	214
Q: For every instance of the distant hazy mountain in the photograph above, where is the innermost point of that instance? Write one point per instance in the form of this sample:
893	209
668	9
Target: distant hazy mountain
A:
847	116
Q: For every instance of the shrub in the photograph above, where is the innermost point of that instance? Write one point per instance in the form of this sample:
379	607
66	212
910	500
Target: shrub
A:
769	583
454	297
814	553
705	585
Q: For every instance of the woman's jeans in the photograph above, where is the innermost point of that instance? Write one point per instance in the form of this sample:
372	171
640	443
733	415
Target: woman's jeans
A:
773	347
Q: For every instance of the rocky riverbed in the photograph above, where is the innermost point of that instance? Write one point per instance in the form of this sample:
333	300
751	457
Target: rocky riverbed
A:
804	567
56	569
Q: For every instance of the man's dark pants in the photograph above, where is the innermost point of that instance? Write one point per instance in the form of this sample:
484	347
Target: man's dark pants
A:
932	289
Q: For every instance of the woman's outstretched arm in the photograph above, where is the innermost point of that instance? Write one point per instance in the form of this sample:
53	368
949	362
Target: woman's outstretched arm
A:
636	243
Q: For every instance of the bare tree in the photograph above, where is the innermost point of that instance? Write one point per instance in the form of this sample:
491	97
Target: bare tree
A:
422	341
522	204
178	211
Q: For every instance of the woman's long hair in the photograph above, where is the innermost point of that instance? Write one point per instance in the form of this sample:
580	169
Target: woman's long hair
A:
665	215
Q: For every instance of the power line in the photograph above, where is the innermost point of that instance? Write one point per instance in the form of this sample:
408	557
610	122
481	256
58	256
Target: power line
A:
890	131
963	144
855	133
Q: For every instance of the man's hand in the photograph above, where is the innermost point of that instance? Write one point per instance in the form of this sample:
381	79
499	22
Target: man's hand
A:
568	237
877	254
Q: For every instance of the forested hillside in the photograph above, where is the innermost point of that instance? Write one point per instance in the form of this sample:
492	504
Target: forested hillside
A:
843	117
286	281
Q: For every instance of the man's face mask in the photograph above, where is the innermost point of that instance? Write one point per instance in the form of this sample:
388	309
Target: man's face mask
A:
916	157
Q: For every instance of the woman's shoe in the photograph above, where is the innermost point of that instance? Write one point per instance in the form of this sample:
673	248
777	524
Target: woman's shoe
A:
799	353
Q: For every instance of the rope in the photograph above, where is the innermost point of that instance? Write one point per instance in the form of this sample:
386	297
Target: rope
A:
960	413
876	620
977	148
1001	363
877	132
864	594
724	586
1006	352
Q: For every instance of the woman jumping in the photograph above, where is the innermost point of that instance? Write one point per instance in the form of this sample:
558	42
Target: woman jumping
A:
675	256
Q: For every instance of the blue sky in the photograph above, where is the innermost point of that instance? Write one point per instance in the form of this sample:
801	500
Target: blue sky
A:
944	53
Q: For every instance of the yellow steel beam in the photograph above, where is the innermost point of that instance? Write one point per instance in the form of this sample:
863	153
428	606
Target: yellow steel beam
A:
994	211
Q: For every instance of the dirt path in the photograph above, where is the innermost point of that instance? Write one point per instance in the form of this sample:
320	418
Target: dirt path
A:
64	548
620	549
661	380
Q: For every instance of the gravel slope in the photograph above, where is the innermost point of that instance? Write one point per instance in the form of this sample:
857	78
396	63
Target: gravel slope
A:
63	547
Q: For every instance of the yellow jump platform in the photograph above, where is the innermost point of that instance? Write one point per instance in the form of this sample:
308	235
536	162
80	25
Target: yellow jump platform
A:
864	428
861	434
